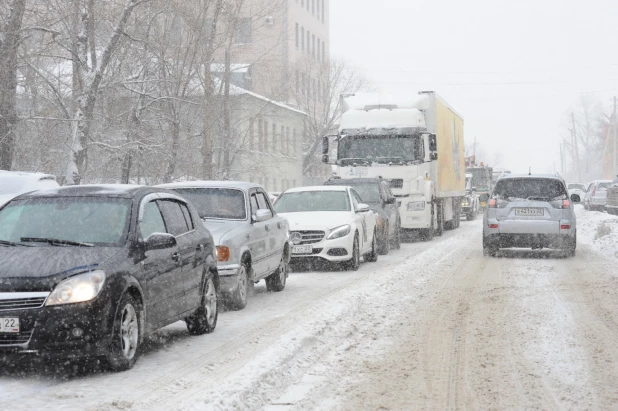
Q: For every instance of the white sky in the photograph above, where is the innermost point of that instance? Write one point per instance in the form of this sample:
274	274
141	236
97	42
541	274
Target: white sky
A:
512	68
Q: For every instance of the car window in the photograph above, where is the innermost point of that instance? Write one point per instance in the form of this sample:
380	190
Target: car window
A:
357	197
603	186
216	203
355	200
541	189
187	215
254	204
173	217
367	193
152	221
263	202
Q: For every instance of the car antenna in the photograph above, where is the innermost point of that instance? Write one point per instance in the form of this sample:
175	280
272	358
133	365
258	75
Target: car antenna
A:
529	171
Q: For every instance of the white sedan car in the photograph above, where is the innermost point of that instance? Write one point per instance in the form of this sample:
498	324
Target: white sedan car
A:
329	223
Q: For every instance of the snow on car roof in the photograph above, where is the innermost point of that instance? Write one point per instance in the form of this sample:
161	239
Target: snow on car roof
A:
107	190
520	176
317	188
242	185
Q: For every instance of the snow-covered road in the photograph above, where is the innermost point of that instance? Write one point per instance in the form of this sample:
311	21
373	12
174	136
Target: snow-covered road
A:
434	325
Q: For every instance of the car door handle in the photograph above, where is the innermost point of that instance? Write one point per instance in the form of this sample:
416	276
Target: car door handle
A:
267	227
279	225
176	257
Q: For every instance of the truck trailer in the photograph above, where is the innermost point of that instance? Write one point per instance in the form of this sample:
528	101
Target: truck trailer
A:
416	142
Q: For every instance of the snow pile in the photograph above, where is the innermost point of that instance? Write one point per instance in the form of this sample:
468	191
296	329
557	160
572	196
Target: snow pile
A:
598	230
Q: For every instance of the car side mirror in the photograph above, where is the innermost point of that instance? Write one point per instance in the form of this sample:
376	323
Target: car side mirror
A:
160	241
362	208
262	215
576	198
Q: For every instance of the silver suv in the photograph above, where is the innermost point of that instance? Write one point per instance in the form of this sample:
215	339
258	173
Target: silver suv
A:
530	211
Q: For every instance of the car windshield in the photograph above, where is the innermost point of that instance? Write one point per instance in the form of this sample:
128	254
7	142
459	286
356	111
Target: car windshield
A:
535	189
306	201
368	192
217	203
91	221
577	187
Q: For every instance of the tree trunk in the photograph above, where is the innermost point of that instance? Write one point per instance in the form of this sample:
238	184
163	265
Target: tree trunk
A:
9	42
171	163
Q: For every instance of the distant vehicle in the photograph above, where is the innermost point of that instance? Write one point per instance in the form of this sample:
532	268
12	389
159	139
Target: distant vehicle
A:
482	182
330	223
377	194
14	183
88	271
530	211
611	206
470	203
577	188
252	240
597	195
416	142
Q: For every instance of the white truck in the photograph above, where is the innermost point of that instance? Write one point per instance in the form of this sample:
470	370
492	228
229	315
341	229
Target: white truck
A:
417	143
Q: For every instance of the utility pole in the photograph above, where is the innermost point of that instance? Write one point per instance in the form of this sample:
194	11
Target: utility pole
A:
575	148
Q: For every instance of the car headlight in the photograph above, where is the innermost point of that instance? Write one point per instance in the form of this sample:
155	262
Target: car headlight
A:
223	254
77	289
339	232
416	206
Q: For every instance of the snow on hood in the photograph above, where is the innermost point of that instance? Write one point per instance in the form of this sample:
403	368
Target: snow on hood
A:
320	220
5	198
221	228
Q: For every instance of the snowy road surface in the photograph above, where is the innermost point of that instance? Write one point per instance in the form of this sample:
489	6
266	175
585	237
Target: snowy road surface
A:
435	325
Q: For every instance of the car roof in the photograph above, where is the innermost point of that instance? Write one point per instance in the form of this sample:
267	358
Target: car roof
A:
317	188
242	185
353	181
530	176
91	190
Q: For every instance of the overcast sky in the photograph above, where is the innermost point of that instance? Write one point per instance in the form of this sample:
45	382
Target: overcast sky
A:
512	68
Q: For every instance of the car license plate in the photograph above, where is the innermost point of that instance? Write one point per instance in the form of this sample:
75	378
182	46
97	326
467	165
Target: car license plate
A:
9	325
484	204
530	212
302	249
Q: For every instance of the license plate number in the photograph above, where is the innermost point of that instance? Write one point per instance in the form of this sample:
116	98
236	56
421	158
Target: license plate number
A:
530	212
484	204
302	249
9	325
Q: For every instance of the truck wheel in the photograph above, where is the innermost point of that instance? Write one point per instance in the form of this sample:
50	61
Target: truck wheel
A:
471	216
427	234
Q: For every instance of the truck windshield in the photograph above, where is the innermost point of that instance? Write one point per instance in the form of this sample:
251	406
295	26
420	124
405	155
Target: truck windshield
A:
380	149
481	178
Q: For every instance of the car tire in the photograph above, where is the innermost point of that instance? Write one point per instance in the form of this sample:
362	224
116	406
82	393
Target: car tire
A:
571	248
126	334
240	296
384	244
372	256
276	281
397	241
489	250
354	263
204	319
471	216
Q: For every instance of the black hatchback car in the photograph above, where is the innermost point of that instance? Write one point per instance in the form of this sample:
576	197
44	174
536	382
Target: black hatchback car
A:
376	193
88	271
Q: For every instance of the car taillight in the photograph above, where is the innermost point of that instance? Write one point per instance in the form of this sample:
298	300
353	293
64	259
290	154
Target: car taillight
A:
594	190
493	225
565	226
493	203
566	204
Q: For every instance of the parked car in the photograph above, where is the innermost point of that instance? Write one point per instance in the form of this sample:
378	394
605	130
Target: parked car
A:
273	196
577	188
597	195
14	183
611	206
252	241
88	271
531	211
329	223
377	194
470	203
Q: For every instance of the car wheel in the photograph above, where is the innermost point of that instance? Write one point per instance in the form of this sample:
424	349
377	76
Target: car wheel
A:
372	256
126	337
276	281
571	247
397	240
384	246
354	263
204	319
238	299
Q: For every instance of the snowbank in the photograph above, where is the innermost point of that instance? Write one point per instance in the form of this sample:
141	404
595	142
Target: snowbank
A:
599	231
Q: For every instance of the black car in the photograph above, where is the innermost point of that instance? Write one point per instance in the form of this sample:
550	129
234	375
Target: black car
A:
376	193
88	271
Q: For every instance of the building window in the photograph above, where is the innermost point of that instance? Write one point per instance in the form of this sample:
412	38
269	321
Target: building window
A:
302	38
297	83
318	8
274	138
302	84
282	140
296	35
265	137
287	141
319	48
308	42
323	11
313	45
293	153
260	136
242	34
313	7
